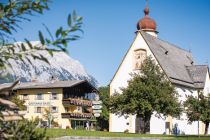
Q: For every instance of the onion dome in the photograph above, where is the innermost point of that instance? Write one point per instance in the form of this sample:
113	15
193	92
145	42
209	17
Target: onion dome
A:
146	23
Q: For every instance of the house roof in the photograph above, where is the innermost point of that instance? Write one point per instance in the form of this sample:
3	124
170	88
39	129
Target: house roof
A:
177	63
46	85
198	74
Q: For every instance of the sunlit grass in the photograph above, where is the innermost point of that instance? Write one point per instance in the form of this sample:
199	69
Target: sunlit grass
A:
52	133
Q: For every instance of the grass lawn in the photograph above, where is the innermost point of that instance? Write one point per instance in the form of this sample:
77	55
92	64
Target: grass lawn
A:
52	133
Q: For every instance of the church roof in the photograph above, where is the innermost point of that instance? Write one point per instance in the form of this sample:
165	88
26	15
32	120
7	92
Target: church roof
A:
177	63
198	74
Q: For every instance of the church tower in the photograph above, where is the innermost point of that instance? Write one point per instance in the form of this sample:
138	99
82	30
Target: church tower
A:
147	24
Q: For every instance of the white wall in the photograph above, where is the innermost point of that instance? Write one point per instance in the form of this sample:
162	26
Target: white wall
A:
157	125
117	124
207	89
183	124
207	85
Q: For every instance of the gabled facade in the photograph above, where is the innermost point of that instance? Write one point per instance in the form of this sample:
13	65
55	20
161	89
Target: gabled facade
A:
176	63
64	104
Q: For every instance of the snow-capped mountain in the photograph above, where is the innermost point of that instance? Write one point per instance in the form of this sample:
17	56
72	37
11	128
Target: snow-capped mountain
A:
60	67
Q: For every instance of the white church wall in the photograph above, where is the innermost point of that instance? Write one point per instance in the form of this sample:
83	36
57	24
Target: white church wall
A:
207	85
185	127
119	123
183	124
123	73
157	125
132	123
206	90
120	80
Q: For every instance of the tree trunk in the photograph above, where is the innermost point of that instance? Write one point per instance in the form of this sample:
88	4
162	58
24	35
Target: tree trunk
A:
143	123
206	128
146	124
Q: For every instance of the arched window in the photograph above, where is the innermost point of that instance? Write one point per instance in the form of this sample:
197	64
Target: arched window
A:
139	57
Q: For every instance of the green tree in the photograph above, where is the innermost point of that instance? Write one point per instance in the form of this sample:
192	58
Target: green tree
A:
198	109
20	103
13	12
21	130
103	120
148	91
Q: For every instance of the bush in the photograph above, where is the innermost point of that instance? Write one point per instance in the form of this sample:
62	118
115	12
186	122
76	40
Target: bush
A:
21	130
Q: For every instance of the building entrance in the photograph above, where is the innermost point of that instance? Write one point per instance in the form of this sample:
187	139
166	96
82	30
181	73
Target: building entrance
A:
83	125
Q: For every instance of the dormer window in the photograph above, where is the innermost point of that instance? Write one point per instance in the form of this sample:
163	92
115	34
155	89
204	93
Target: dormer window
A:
139	57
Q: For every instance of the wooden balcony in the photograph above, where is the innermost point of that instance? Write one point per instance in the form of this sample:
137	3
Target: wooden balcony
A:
77	115
78	102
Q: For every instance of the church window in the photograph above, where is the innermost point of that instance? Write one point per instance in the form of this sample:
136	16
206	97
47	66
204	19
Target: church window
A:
139	57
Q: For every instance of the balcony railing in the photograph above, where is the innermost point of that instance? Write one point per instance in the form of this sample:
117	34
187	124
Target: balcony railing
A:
77	115
78	102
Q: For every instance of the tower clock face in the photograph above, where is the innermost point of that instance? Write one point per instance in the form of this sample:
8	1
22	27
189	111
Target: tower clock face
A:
140	56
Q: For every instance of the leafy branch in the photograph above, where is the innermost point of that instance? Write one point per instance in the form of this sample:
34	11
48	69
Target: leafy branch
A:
15	12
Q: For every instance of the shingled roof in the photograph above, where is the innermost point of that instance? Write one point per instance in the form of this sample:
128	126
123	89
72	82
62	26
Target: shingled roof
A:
198	74
46	85
55	84
177	63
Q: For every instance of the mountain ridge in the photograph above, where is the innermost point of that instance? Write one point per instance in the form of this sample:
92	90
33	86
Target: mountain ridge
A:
61	67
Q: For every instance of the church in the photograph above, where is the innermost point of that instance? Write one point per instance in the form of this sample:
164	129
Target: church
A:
187	77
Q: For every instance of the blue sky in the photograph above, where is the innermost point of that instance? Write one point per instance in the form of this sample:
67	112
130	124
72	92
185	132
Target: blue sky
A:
109	27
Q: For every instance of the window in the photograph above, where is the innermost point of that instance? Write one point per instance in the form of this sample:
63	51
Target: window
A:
39	96
54	96
25	96
38	110
139	57
54	109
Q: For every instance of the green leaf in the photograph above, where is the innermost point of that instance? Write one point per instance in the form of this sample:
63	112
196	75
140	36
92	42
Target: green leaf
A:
41	38
69	20
23	47
48	32
29	44
58	32
79	19
48	41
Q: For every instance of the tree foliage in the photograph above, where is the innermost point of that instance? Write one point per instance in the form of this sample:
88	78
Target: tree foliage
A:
21	130
198	109
20	103
148	91
103	120
13	12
